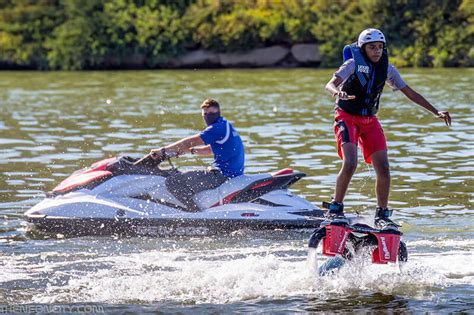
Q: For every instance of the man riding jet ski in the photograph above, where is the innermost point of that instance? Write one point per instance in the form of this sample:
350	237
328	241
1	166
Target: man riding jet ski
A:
128	196
219	139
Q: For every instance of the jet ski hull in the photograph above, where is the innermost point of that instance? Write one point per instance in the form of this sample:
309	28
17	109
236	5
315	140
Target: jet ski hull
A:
80	213
161	227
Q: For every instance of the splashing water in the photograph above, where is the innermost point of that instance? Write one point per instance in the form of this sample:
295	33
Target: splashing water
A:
226	275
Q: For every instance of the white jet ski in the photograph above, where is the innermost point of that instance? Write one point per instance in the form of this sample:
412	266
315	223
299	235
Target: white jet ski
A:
119	196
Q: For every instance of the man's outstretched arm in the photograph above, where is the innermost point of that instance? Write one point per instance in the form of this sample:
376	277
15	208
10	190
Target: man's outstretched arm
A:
182	146
420	100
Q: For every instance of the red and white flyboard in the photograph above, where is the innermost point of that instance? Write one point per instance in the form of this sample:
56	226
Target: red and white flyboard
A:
335	234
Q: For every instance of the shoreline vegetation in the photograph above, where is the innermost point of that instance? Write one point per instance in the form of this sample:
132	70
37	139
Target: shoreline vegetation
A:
154	34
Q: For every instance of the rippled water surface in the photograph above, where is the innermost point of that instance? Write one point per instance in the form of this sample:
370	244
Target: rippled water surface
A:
54	123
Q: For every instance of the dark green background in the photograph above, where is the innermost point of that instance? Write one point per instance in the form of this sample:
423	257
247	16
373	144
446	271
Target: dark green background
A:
81	34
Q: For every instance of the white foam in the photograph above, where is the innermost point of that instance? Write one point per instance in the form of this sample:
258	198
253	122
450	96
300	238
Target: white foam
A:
157	276
240	274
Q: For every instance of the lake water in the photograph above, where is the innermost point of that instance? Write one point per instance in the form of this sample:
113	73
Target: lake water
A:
53	123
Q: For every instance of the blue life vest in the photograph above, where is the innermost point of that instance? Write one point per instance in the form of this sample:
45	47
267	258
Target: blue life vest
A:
346	53
366	83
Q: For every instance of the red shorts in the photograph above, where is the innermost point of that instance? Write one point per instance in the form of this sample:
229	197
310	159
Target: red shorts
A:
364	131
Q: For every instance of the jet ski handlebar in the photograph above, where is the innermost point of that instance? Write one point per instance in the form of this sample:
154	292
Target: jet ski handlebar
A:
156	157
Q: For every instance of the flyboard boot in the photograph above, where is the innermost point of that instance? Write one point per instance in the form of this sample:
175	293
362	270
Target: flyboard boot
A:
334	231
382	220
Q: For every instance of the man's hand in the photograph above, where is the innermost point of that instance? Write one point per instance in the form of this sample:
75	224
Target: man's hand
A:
445	116
162	154
159	153
342	95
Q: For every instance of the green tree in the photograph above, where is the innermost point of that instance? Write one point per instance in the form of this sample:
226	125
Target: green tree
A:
76	43
24	27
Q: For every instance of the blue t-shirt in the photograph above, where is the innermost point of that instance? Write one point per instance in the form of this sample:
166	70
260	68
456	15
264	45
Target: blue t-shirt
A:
227	147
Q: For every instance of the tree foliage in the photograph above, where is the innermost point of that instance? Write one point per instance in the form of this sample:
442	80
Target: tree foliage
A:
84	34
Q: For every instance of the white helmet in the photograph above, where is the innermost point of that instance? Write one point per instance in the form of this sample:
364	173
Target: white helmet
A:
370	35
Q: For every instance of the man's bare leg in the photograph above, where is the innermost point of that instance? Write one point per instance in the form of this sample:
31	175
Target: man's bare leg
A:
382	172
349	165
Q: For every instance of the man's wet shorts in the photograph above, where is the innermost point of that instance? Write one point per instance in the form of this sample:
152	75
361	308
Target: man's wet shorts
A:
364	131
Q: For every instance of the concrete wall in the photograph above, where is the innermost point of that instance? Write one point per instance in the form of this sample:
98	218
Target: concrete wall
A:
299	55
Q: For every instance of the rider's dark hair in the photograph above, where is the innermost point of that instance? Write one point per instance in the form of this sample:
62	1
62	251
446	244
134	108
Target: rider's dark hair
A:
210	103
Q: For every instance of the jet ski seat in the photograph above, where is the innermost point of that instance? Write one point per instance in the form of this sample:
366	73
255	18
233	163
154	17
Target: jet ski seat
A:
247	187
